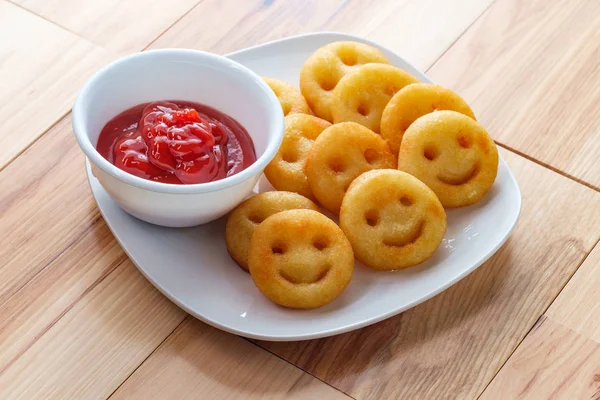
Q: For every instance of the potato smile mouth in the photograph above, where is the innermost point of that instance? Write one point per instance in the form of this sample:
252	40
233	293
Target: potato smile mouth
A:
410	239
457	181
300	280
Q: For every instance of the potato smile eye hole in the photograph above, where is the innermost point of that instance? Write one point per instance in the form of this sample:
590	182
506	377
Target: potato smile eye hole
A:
406	200
391	90
430	153
371	155
336	165
278	248
464	141
372	218
327	85
255	219
320	243
362	109
348	58
289	156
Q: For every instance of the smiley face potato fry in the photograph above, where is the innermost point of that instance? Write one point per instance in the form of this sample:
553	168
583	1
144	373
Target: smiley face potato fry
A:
452	154
300	259
414	101
325	67
383	151
287	169
290	98
392	219
341	153
244	219
362	94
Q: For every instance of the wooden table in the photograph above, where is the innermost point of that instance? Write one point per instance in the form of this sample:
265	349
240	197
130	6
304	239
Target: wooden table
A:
78	321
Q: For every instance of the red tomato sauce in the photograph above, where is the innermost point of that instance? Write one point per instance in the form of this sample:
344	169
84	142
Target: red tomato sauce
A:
176	142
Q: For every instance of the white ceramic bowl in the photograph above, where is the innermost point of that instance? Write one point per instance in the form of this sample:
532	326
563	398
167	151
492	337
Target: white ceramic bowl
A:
177	74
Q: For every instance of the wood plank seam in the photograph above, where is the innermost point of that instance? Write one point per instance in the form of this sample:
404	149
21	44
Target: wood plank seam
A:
337	11
32	185
188	317
157	37
540	320
2	167
58	120
85	293
555	362
105	275
578	305
508	148
170	26
537	324
550	167
93	42
515	54
296	366
460	36
500	144
233	28
74	242
87	290
63	117
149	355
111	270
42	64
55	24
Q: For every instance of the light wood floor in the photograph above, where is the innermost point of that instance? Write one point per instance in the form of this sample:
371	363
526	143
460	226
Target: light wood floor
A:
78	321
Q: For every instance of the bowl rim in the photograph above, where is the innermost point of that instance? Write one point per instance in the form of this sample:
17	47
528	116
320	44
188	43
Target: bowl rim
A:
273	113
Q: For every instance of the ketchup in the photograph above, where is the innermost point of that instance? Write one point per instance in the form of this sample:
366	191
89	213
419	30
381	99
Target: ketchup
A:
176	142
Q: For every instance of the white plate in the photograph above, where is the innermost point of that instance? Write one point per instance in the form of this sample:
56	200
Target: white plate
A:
192	268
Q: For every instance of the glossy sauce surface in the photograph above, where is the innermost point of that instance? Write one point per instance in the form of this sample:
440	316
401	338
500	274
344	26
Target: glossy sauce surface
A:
176	142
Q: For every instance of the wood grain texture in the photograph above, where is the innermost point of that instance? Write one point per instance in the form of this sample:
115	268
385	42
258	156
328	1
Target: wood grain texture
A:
418	30
452	345
247	23
40	303
200	362
530	69
399	25
42	67
78	318
578	305
98	343
122	26
45	207
553	362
